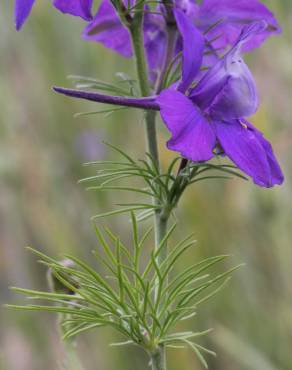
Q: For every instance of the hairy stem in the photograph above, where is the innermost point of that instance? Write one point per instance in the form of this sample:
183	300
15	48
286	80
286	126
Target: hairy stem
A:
72	361
158	358
136	30
161	230
141	66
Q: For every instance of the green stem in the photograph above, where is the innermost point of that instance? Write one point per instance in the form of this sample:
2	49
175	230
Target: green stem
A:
141	66
136	31
72	360
161	230
158	358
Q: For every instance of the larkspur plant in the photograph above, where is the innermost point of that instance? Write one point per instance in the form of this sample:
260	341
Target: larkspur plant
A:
190	68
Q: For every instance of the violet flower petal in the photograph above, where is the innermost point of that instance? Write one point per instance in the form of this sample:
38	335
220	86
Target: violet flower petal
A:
238	98
107	29
228	89
22	9
210	85
231	16
193	48
276	172
79	8
243	146
192	134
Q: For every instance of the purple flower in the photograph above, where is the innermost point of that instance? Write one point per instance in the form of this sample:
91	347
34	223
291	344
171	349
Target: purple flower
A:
80	8
212	114
88	144
107	29
222	21
230	16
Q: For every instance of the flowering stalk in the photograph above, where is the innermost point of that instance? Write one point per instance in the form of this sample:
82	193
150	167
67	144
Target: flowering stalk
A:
136	32
158	359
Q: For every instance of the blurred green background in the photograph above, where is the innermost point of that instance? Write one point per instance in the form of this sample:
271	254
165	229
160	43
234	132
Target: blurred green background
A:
42	148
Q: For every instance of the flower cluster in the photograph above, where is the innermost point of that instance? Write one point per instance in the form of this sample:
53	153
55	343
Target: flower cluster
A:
205	112
213	18
210	117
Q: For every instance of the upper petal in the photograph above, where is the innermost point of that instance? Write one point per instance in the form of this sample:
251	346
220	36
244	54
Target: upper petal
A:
193	48
192	135
79	8
107	29
244	147
228	89
238	98
22	9
231	16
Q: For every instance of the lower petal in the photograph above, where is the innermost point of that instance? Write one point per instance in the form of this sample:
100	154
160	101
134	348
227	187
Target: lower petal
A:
276	172
250	153
192	135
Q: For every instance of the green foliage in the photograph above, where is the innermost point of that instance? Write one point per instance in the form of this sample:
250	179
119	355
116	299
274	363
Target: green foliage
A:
165	188
125	85
142	301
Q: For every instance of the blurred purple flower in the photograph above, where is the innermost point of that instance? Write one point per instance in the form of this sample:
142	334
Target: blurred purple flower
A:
221	22
80	8
88	144
225	19
107	29
212	114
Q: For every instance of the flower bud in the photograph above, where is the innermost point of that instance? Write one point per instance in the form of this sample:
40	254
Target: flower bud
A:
55	285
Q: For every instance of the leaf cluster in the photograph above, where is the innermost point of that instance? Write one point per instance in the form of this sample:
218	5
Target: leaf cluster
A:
165	188
137	298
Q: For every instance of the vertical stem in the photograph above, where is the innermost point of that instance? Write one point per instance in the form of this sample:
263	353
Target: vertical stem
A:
72	360
141	66
158	358
136	30
162	221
